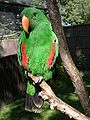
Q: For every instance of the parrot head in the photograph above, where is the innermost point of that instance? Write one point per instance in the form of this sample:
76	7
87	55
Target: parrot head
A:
31	17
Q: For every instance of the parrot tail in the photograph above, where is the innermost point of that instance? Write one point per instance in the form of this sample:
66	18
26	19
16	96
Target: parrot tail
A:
34	103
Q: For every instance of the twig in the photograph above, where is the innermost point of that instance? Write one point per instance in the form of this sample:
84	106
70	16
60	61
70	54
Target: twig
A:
57	102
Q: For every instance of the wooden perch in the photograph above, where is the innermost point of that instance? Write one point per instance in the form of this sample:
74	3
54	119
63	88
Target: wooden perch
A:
57	102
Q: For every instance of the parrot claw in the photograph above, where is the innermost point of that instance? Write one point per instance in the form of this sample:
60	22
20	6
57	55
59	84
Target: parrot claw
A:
33	83
38	80
45	97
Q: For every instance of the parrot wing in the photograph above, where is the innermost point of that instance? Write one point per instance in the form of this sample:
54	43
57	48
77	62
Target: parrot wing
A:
19	48
53	51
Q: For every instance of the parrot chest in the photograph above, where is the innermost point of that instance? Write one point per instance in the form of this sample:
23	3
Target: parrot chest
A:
38	52
37	56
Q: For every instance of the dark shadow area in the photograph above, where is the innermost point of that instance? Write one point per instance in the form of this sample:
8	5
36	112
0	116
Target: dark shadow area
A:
11	79
78	40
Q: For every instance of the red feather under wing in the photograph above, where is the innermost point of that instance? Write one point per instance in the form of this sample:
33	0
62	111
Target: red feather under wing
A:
24	55
52	54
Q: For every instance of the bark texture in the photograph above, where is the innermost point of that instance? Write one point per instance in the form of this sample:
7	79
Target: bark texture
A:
68	63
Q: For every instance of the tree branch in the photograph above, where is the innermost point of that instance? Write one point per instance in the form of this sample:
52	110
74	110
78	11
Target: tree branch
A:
57	102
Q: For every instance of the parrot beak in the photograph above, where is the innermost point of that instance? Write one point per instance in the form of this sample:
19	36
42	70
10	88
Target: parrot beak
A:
25	23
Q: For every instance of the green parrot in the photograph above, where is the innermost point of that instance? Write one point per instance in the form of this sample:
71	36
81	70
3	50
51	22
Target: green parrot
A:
37	53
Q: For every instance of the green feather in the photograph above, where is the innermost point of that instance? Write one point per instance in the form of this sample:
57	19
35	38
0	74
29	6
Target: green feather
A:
38	45
30	89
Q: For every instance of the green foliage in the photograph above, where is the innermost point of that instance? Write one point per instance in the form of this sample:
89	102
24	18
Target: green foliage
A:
15	111
75	11
63	2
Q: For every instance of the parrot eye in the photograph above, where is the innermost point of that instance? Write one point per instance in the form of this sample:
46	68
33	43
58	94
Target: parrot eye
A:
54	40
35	14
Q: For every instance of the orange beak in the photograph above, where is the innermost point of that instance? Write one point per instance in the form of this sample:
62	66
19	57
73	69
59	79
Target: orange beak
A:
25	23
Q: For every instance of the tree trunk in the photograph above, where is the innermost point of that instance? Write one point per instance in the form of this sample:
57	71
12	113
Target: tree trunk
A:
68	63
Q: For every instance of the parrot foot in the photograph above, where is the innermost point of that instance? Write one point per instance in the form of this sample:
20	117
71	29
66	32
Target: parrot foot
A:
45	97
52	102
38	80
